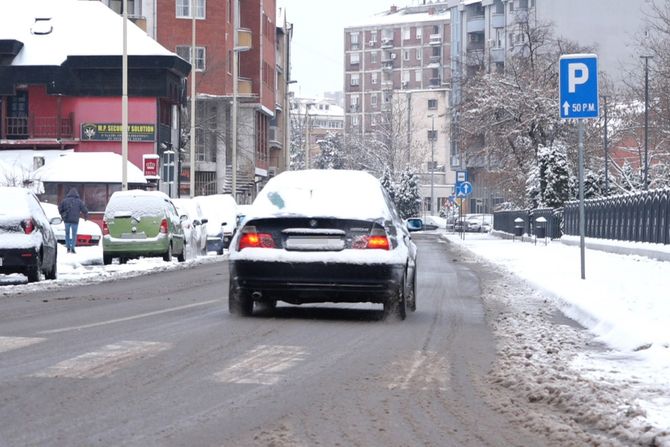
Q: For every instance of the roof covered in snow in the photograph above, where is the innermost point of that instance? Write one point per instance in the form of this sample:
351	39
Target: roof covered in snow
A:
52	30
88	167
403	16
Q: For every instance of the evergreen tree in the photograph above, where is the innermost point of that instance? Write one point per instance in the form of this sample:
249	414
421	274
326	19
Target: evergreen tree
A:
594	184
554	175
408	198
533	192
387	184
629	179
332	153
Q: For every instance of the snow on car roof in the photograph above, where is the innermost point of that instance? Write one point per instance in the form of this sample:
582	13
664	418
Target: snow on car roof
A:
323	193
13	202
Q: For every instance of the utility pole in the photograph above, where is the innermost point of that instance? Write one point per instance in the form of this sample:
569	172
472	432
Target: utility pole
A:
607	180
193	70
124	101
236	26
646	121
432	165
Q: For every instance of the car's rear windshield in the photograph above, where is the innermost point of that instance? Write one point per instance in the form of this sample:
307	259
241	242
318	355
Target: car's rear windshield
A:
136	206
13	204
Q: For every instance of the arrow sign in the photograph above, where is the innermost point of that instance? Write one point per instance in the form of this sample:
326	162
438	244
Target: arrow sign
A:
578	86
464	189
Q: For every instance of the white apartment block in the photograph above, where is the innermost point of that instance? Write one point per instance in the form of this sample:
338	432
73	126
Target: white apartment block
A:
316	118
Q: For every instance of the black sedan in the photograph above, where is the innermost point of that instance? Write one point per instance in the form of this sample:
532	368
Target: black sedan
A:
27	242
323	236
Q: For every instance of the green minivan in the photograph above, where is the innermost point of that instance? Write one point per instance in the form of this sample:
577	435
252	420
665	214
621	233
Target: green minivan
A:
141	223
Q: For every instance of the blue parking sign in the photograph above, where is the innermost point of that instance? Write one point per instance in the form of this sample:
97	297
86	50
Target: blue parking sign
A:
578	91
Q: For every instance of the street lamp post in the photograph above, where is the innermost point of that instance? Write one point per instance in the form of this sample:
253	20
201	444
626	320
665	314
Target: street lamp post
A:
124	101
432	165
193	70
607	180
646	120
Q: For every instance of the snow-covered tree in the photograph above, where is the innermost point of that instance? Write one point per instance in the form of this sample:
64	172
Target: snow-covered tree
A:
594	184
388	184
408	198
549	181
627	178
332	154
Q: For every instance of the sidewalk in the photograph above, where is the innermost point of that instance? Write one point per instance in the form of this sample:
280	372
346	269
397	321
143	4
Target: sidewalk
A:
624	301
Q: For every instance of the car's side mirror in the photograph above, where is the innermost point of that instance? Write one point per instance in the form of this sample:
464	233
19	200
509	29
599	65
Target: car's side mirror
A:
56	221
204	221
196	222
223	224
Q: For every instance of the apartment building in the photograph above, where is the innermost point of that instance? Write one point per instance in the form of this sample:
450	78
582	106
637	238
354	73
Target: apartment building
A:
485	32
262	52
398	62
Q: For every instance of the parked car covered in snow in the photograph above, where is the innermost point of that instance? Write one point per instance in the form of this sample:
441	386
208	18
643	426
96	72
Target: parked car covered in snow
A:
141	223
88	232
323	236
195	225
27	242
221	213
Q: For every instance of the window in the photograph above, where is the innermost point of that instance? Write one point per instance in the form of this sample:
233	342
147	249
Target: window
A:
405	76
373	100
432	104
417	75
406	33
184	51
373	36
405	54
184	9
354	58
387	34
432	135
373	78
511	6
353	39
419	33
373	57
418	54
354	120
355	79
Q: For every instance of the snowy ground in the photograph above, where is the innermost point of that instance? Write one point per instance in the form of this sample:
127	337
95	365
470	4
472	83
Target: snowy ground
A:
616	377
86	267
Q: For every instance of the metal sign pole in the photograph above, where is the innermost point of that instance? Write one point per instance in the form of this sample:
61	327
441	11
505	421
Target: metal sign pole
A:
582	221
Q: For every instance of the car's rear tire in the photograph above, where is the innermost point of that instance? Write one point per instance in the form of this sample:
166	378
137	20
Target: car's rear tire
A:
411	298
33	272
167	257
181	257
239	303
395	306
53	271
106	259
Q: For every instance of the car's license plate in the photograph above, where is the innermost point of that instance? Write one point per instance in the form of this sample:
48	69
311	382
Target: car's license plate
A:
314	243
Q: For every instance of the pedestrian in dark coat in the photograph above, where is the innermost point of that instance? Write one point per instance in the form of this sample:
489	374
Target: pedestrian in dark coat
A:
71	208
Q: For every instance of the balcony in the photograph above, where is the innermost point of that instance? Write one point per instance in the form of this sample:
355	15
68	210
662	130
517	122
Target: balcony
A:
274	137
387	43
498	20
475	57
141	22
497	54
387	65
36	127
244	39
435	39
435	82
475	24
387	85
244	86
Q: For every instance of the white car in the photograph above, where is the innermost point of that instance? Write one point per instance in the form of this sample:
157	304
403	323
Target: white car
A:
220	210
323	236
195	226
89	233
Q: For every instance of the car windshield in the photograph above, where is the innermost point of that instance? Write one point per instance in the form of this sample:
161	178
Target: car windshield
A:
344	194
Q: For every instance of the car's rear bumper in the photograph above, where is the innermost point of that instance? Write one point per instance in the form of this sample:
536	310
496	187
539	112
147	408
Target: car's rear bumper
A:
135	247
17	260
299	283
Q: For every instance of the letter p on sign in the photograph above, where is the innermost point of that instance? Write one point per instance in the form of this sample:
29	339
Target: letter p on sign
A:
578	74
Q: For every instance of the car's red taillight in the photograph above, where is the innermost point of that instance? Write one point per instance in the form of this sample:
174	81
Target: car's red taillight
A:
164	226
105	228
380	242
256	240
28	226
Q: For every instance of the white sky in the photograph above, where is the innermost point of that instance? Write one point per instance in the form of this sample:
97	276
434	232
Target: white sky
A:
317	58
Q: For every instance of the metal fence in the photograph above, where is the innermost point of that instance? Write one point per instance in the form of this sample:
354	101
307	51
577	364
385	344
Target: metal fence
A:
639	217
505	221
